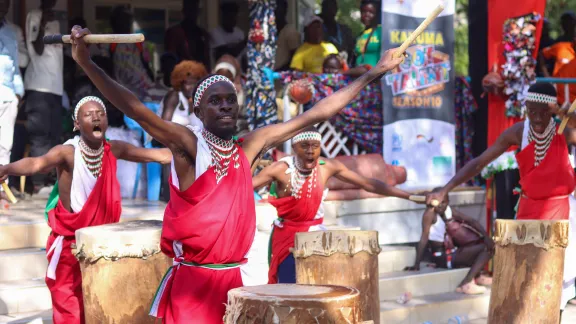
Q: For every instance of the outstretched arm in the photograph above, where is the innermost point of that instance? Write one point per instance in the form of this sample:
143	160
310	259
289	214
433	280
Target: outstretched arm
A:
167	133
508	138
368	184
129	152
266	176
30	166
262	139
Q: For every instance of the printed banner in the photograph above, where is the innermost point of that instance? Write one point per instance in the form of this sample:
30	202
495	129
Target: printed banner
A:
418	97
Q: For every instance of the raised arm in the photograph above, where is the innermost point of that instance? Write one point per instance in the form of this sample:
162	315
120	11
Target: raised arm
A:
267	137
168	133
266	176
129	152
29	166
508	138
372	185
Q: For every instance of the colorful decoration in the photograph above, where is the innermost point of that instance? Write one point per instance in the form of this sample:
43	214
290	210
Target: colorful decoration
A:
519	70
506	161
300	91
261	107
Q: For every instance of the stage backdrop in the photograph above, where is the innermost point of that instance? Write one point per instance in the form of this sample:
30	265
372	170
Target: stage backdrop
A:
418	98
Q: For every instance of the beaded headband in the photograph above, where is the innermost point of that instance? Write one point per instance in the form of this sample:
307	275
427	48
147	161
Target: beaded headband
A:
307	136
541	98
202	87
85	100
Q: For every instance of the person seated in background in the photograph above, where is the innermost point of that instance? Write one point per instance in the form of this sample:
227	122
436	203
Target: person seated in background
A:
368	44
338	34
175	106
334	64
449	252
309	57
289	38
562	51
227	38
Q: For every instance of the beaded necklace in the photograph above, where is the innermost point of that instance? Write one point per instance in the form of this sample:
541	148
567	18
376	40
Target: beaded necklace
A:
299	176
92	157
223	152
542	141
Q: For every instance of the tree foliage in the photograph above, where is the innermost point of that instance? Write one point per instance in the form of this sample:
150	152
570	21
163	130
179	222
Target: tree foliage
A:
554	10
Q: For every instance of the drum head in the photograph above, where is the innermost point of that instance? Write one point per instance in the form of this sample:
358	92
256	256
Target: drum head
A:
294	292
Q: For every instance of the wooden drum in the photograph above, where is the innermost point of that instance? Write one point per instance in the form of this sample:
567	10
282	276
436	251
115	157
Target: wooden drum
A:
122	266
346	258
292	304
528	268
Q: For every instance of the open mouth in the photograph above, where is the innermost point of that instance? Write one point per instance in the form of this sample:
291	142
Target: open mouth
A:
97	131
225	117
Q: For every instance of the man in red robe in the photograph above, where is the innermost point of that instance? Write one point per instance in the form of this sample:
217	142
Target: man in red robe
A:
87	194
210	221
546	175
299	182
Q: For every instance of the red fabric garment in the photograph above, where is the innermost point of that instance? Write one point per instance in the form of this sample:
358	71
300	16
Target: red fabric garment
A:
104	206
298	215
215	223
545	188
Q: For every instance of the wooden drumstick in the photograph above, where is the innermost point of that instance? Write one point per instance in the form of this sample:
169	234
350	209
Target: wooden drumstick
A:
96	38
9	193
566	118
421	199
419	30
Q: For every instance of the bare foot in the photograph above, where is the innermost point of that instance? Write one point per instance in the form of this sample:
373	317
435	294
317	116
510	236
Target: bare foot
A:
483	280
471	289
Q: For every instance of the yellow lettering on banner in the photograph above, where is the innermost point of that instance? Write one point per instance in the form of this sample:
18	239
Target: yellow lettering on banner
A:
426	38
417	102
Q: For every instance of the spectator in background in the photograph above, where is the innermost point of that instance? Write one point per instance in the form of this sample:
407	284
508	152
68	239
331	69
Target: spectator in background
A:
544	66
12	86
562	52
44	85
187	40
337	34
566	71
310	56
227	38
289	38
131	62
368	44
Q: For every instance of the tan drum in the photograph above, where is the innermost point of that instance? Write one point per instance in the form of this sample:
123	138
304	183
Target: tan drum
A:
347	258
292	304
528	268
122	266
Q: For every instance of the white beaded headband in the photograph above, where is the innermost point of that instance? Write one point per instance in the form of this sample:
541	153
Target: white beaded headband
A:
541	98
85	100
307	136
202	87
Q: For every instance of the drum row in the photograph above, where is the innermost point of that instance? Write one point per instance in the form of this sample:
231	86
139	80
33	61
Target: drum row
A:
336	272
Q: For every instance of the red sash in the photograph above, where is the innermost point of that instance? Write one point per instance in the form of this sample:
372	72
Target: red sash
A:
104	205
545	188
295	215
215	223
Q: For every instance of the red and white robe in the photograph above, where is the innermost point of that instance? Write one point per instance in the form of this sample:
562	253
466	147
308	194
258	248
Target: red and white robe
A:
294	215
547	195
94	201
208	229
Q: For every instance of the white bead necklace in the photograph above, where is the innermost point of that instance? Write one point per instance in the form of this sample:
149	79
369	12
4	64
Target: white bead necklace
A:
299	176
223	152
92	157
542	141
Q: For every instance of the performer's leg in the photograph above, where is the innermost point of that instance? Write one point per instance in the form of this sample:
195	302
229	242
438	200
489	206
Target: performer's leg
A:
287	270
66	290
475	257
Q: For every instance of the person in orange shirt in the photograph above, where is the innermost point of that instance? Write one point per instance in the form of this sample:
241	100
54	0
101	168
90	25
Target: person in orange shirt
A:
561	52
567	71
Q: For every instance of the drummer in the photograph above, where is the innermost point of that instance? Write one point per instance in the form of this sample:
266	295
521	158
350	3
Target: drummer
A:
298	190
546	175
87	194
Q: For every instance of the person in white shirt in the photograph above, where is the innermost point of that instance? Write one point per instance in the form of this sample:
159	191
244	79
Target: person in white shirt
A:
44	84
11	85
227	38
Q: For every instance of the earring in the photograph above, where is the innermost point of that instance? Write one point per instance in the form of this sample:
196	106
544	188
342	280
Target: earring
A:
75	128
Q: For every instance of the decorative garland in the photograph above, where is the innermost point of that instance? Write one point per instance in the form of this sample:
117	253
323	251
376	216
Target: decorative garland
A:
519	70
